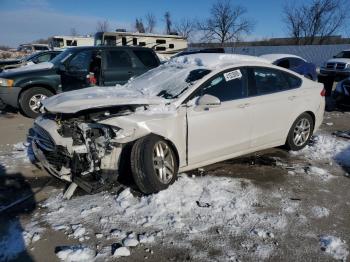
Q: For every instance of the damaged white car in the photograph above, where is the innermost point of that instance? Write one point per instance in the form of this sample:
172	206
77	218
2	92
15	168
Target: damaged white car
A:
190	112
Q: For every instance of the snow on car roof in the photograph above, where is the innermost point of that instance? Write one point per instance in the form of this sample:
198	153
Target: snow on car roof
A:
213	60
275	57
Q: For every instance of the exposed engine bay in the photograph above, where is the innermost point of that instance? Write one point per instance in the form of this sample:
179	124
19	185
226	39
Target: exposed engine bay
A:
77	148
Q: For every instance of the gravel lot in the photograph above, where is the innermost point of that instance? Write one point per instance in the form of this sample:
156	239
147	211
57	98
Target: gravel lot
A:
273	205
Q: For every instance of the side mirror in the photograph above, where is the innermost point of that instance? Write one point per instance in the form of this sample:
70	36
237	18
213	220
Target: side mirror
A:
208	101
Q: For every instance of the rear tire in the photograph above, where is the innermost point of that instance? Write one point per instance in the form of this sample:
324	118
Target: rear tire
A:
30	99
153	164
300	132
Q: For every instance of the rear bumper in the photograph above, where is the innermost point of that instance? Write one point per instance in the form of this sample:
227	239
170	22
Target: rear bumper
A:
319	115
10	95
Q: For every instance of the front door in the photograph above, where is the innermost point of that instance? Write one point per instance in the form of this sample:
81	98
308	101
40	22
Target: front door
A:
75	75
217	132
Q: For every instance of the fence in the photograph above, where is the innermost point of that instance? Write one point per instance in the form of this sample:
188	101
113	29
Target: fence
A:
316	54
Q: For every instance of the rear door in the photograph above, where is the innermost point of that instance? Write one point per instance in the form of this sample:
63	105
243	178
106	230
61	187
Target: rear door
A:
117	67
274	97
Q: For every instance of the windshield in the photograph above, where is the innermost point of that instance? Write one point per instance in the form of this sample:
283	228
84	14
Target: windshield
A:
168	81
29	57
61	57
344	54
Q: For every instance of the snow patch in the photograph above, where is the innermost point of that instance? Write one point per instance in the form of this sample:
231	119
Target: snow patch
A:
335	247
191	209
76	253
320	212
327	148
122	252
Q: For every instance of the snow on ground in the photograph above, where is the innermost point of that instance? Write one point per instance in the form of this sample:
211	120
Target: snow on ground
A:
204	208
20	154
320	212
328	148
334	246
211	210
76	253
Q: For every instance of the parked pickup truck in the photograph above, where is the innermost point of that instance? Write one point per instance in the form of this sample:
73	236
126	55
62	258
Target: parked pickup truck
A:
75	68
338	66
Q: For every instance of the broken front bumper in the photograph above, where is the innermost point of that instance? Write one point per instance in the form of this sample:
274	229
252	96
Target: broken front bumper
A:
43	162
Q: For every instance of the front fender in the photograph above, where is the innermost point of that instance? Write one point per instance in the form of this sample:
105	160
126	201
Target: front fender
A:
171	127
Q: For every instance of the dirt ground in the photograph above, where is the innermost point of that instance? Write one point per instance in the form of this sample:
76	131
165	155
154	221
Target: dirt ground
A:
283	192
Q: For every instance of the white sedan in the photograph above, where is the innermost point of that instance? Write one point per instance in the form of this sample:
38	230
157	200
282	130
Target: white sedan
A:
190	112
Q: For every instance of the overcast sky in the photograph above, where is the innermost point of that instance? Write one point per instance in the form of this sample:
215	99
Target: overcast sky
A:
24	21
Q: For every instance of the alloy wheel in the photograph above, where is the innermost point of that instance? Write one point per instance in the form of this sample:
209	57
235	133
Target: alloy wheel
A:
302	132
163	162
35	102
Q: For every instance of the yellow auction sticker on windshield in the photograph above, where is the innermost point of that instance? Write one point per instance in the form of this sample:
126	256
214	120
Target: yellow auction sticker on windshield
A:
236	74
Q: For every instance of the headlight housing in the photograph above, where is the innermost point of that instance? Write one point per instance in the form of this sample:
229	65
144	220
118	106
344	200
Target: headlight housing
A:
347	66
6	82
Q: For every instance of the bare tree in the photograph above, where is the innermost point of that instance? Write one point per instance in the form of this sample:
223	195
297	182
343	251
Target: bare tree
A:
151	22
226	22
185	27
168	22
102	26
313	23
73	31
139	25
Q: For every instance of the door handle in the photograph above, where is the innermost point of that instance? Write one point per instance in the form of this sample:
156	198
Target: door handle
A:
243	105
291	98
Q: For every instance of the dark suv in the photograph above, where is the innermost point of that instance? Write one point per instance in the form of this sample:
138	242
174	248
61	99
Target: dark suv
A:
75	68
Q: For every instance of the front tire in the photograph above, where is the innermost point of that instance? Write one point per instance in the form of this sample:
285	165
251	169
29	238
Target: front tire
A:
300	132
153	164
30	100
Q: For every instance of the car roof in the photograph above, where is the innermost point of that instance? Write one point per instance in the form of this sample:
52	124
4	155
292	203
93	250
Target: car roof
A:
108	47
217	60
275	57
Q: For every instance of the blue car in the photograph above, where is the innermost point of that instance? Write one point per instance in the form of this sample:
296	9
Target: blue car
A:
294	63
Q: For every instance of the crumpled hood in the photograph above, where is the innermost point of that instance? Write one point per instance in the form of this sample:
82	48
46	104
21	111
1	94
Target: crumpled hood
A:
339	60
97	97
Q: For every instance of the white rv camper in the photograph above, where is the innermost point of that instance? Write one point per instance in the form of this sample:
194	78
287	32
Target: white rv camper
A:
61	42
164	45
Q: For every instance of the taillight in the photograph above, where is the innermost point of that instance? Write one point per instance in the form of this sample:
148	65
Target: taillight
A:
323	92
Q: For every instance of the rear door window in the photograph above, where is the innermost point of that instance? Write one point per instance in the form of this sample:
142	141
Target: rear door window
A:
264	81
284	63
295	62
147	58
118	59
227	86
